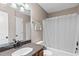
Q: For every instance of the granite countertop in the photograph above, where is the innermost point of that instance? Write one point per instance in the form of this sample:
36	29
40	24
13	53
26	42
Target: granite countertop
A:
32	45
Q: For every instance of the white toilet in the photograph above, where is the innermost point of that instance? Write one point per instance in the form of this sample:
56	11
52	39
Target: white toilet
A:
40	42
46	52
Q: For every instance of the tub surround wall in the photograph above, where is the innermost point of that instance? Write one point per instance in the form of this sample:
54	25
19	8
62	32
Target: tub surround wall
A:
37	14
66	12
60	32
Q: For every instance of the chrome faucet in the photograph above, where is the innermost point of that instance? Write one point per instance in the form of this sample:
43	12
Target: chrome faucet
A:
16	43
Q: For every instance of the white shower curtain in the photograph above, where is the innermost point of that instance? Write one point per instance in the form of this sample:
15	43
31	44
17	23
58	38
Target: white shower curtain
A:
60	32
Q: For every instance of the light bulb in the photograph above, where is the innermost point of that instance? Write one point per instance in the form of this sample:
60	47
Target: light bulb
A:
22	9
13	5
26	6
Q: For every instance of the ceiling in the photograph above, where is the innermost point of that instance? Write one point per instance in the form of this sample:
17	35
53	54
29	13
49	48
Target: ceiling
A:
54	7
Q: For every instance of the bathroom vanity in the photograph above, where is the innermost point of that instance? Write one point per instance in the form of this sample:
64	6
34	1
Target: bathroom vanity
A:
37	50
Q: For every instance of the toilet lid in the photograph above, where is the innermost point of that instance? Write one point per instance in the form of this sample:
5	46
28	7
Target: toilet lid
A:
40	42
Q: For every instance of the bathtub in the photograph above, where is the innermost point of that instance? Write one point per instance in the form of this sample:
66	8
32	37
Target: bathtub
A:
55	52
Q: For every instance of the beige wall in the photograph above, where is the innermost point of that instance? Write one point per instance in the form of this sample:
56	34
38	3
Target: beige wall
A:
65	11
37	14
12	13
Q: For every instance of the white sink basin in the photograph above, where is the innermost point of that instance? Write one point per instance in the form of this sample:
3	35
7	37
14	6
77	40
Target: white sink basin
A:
22	52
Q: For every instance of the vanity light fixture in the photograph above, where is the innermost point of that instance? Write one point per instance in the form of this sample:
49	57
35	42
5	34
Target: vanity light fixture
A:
22	9
13	5
20	6
26	7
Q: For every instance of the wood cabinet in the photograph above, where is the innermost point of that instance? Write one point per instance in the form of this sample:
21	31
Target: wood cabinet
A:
39	53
